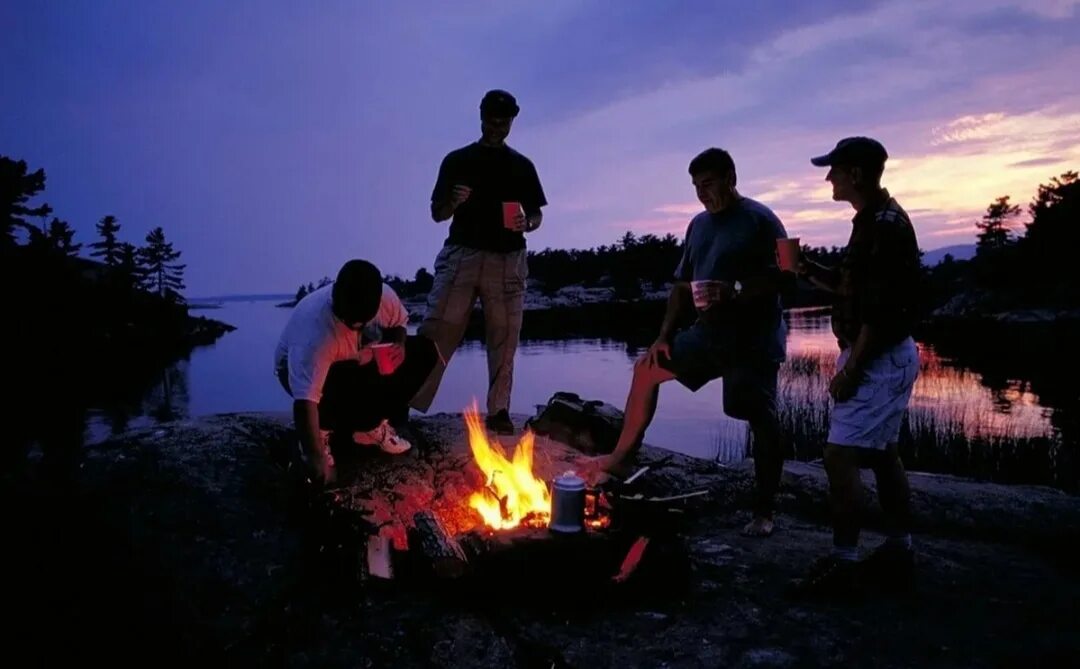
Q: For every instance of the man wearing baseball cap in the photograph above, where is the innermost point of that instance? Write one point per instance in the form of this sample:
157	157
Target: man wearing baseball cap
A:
484	253
876	295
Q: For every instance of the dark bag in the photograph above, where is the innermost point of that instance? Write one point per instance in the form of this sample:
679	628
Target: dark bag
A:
590	426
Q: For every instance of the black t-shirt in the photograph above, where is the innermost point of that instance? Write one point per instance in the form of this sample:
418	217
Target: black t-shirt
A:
495	175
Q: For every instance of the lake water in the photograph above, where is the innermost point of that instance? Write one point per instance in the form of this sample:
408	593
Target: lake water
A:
957	422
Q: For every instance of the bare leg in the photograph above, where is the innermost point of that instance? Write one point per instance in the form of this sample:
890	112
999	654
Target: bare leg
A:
893	492
640	409
768	468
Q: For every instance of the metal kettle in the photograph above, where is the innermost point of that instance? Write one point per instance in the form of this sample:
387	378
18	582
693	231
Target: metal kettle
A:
567	504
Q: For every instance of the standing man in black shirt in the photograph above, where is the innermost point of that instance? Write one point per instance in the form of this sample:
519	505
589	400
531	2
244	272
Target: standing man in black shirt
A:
876	295
494	196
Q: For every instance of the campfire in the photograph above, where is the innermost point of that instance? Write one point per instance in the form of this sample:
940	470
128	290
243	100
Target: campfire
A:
506	517
512	495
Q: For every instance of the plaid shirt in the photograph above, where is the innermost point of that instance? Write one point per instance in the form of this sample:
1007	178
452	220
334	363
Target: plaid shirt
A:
879	276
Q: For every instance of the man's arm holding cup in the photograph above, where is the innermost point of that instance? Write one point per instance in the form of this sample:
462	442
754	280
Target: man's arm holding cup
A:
395	336
825	278
526	222
533	221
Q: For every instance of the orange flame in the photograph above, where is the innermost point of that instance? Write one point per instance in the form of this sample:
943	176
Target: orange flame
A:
512	495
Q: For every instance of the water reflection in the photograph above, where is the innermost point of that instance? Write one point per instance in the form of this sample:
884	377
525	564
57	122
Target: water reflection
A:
946	396
966	417
983	424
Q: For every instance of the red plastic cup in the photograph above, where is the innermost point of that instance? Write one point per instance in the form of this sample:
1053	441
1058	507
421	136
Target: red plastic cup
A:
511	212
787	254
382	358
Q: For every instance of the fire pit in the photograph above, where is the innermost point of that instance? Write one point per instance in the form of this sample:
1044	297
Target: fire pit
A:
471	509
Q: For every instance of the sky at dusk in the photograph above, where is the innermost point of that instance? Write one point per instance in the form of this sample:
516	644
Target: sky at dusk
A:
274	140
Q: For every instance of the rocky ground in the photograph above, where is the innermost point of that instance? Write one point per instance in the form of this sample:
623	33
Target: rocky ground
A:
195	541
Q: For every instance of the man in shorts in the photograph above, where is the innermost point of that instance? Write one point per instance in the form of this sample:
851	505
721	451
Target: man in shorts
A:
875	310
729	259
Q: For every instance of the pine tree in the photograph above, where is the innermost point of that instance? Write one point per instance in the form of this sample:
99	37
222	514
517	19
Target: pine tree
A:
128	265
16	188
60	237
994	232
1051	239
157	259
108	249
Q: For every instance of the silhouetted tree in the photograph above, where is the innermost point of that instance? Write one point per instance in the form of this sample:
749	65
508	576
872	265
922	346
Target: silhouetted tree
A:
44	211
60	236
301	292
994	232
108	249
1051	239
128	265
158	261
17	187
423	281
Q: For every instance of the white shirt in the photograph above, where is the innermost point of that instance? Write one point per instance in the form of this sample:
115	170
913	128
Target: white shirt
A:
314	339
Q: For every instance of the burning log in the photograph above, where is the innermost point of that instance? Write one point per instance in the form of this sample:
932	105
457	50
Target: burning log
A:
440	549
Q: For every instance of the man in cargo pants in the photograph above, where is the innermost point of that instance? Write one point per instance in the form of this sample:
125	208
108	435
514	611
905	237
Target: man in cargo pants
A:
484	254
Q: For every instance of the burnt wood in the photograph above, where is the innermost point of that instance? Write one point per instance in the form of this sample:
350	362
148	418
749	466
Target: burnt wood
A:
438	548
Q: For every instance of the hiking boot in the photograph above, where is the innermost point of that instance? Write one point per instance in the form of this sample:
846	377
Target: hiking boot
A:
828	578
890	567
500	422
385	437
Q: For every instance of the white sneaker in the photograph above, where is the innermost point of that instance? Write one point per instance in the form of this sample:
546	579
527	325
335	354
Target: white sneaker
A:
385	437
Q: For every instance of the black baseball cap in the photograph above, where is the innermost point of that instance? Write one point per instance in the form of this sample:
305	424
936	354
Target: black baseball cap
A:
854	151
500	104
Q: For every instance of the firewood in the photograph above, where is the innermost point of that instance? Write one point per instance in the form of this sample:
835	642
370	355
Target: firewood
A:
525	541
379	557
638	497
440	549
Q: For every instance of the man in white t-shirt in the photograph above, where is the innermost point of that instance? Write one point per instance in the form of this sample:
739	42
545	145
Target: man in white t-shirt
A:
325	361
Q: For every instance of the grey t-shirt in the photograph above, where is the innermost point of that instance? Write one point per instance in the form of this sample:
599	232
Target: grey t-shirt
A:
734	245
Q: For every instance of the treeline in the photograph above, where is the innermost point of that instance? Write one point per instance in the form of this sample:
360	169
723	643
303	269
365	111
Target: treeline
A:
1011	269
80	306
629	266
1020	262
152	267
419	285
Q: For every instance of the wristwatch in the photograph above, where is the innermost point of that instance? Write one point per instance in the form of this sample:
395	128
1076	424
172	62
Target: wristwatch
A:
736	290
